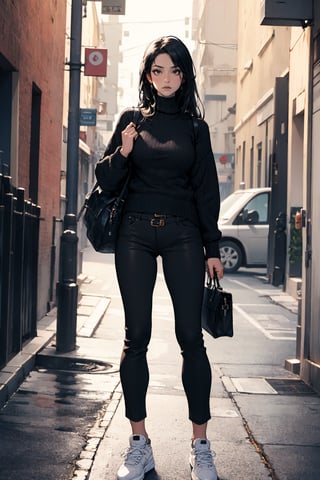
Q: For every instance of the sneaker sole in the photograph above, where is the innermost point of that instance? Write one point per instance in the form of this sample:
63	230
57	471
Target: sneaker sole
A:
149	467
194	478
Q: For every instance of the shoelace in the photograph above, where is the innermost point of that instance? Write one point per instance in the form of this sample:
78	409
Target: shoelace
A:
132	455
204	458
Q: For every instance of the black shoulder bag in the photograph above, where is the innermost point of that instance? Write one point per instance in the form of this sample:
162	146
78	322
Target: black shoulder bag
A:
103	212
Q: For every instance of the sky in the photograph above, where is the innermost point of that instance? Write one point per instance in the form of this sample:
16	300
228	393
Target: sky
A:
154	18
146	20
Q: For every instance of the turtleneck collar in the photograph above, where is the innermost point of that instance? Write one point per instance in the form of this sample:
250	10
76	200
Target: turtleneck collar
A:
167	105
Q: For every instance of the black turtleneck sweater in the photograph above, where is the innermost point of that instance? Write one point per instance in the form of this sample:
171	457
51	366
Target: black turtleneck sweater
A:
173	169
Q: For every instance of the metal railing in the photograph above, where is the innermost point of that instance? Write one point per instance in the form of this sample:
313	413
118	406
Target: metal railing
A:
19	248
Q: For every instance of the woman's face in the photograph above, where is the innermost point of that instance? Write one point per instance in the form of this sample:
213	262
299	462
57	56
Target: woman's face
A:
165	76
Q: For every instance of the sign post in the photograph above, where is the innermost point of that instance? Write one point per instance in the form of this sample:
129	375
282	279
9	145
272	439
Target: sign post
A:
67	287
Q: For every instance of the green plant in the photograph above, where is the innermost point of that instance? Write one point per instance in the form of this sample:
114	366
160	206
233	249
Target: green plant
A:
295	245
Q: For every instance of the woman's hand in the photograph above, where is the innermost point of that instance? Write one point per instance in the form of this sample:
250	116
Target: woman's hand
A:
128	135
214	264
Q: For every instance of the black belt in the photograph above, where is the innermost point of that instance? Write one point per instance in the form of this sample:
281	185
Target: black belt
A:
157	219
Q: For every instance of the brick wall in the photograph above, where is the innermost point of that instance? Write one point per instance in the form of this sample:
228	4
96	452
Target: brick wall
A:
32	40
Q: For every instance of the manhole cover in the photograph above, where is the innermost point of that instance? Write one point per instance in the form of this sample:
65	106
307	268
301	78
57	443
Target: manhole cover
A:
71	364
289	386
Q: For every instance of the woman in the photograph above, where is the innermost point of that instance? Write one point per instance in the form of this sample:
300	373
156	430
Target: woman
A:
171	210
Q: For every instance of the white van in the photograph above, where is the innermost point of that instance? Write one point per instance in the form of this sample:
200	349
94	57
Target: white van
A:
244	224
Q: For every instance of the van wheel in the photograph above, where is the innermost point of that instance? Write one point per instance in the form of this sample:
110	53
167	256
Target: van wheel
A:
231	256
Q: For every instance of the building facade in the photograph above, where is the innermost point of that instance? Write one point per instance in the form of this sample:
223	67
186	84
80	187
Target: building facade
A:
261	128
308	351
277	144
32	38
215	58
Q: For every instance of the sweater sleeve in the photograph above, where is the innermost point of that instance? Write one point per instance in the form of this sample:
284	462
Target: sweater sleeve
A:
112	169
205	185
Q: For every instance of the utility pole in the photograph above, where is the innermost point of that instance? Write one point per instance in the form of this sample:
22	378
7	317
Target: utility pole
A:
67	287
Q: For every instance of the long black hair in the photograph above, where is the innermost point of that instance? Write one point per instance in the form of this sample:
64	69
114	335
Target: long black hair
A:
187	96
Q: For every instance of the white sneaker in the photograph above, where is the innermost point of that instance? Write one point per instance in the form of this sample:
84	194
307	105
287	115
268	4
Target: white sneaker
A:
138	459
201	461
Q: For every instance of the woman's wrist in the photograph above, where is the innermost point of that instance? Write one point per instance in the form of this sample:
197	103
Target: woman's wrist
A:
123	153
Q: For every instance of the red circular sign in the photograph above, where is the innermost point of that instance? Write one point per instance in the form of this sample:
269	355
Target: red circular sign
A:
223	159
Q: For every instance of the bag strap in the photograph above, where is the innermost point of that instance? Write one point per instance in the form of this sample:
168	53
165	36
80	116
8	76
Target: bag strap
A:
136	115
213	283
216	280
84	205
195	124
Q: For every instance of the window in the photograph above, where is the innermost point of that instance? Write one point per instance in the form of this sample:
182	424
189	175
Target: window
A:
34	143
5	114
259	164
257	209
243	162
251	162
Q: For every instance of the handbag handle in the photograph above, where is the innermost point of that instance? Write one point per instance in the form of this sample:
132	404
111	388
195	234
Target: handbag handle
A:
211	283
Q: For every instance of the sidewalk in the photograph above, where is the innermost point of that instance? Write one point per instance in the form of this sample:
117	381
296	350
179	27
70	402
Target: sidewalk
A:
93	379
255	436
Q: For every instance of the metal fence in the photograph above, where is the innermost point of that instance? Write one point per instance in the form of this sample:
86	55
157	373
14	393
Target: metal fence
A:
19	248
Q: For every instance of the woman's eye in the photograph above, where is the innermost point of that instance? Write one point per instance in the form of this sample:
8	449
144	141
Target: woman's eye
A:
156	71
177	71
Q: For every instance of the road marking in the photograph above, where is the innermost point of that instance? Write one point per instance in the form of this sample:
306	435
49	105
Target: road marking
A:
271	334
269	292
244	285
280	298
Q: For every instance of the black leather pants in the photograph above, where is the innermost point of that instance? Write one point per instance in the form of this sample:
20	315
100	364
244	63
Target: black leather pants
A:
141	239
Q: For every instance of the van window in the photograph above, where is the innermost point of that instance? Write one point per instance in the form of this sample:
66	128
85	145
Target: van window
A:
259	204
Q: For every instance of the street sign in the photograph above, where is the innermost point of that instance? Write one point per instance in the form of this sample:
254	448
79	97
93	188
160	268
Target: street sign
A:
113	7
95	64
88	117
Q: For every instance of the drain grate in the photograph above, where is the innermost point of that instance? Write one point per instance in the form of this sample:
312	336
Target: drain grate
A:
48	362
290	386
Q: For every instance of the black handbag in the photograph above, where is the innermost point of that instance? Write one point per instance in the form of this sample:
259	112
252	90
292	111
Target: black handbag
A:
217	312
102	216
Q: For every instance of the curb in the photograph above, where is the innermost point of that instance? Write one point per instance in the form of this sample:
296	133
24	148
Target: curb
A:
95	435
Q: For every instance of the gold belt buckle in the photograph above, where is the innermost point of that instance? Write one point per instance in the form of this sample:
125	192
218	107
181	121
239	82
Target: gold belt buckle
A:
158	220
